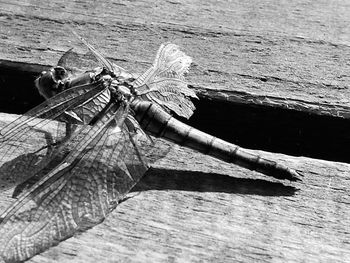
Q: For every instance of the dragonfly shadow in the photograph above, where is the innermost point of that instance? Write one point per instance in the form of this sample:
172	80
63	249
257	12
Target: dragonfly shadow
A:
16	171
163	179
12	174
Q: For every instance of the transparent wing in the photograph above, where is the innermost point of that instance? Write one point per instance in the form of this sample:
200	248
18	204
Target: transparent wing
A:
111	67
169	62
78	63
78	193
172	94
164	82
27	139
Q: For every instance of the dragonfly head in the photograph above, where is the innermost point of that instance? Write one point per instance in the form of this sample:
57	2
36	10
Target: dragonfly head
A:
59	73
51	82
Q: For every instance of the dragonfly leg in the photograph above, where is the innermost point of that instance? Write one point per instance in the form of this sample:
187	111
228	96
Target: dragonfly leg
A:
50	143
70	128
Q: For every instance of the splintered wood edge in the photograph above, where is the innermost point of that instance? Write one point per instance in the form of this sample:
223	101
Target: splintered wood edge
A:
245	98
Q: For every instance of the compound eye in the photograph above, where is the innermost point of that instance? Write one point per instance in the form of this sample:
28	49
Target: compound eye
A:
60	72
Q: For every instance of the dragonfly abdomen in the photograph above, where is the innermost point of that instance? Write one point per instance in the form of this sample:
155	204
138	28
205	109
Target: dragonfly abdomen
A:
159	123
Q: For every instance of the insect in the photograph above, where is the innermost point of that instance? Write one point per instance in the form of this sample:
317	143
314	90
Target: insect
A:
76	175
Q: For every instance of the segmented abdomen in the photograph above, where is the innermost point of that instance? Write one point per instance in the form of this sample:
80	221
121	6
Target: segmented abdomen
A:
161	124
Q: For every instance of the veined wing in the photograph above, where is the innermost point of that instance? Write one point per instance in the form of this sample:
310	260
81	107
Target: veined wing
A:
35	129
164	82
77	63
111	67
78	193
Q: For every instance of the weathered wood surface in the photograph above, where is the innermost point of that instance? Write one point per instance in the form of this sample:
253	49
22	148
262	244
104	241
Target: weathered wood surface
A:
288	54
282	54
194	208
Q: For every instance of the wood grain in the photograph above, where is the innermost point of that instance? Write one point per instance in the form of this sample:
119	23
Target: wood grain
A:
190	207
281	54
291	55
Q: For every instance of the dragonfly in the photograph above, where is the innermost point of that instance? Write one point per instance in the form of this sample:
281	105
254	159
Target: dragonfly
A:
91	137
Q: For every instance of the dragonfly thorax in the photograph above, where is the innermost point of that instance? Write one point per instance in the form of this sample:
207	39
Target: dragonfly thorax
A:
120	91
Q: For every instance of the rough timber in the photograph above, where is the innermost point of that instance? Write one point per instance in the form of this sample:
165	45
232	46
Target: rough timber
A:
285	55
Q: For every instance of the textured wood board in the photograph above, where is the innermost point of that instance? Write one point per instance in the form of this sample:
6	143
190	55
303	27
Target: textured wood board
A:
286	54
190	207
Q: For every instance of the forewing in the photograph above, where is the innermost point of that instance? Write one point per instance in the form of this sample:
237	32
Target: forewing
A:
29	138
78	63
52	108
164	83
76	195
111	67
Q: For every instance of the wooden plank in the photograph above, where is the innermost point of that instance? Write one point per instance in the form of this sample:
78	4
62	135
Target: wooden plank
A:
285	55
190	207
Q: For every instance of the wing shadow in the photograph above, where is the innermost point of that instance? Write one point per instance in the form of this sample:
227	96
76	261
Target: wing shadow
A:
164	179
